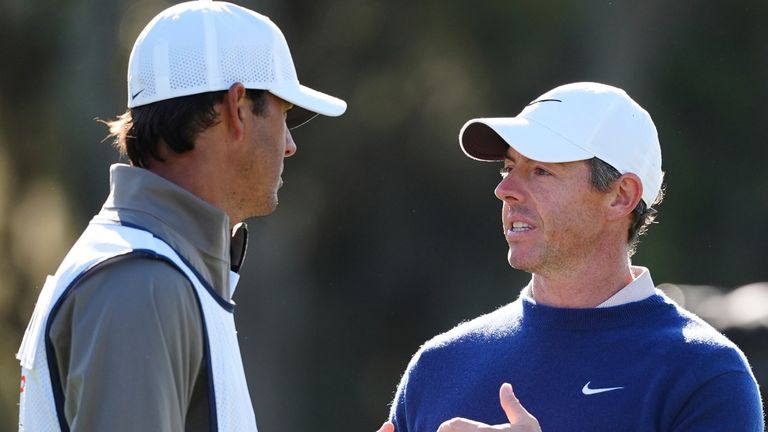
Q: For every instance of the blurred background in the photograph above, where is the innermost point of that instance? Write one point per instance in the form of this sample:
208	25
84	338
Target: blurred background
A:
386	234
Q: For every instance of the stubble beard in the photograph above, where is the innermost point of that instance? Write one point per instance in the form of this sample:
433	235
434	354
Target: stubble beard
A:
553	259
544	261
263	205
519	263
269	205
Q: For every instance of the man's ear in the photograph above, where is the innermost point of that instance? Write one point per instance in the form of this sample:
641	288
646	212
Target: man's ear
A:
231	110
626	193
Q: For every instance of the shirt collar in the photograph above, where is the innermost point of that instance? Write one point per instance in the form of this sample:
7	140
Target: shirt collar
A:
194	228
640	288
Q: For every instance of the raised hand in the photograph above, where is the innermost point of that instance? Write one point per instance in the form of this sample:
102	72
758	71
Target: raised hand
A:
520	420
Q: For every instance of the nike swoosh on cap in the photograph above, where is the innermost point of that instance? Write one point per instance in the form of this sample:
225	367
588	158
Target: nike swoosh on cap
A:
543	100
590	391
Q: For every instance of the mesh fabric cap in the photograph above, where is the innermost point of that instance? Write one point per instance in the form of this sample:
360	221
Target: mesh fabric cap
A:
203	46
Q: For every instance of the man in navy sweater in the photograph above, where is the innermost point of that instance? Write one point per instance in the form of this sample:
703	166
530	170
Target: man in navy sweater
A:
590	344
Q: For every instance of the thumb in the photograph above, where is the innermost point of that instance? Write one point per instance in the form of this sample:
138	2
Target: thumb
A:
516	414
387	427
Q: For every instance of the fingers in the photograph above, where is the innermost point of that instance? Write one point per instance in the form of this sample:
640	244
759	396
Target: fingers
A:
387	427
516	414
510	404
465	425
520	420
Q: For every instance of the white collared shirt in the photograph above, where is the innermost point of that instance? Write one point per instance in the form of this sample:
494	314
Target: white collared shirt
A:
640	288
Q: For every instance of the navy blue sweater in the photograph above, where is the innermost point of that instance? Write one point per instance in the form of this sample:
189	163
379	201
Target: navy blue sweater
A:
643	366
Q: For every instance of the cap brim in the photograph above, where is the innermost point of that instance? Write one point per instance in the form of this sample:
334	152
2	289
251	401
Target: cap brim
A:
487	139
308	103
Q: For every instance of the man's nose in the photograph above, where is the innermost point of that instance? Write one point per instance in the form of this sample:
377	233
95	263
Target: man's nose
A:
509	188
290	145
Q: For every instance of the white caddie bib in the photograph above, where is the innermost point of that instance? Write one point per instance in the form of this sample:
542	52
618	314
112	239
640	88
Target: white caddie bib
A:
229	400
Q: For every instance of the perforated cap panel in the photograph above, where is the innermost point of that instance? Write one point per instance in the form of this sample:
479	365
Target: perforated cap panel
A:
203	46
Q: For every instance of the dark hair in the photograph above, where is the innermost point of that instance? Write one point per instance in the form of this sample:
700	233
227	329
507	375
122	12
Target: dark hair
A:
176	121
602	177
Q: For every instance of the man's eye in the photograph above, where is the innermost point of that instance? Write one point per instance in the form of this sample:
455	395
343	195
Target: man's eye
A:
504	171
542	172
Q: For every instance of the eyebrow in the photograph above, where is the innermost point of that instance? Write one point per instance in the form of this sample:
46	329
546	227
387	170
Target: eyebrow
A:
517	159
508	158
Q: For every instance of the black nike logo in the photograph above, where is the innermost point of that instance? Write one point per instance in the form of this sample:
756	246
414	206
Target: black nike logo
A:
137	93
544	100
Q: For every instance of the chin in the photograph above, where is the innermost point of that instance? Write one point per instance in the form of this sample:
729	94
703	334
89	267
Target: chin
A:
265	208
268	210
519	263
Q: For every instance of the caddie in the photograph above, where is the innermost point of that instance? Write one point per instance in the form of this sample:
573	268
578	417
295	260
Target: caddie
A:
135	330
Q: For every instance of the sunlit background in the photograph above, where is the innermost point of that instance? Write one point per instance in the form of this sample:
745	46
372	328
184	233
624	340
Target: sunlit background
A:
386	234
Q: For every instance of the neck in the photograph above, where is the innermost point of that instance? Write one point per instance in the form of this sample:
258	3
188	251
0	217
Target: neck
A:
583	286
198	172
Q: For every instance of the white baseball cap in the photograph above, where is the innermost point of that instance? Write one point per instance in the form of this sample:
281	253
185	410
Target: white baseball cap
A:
203	46
575	122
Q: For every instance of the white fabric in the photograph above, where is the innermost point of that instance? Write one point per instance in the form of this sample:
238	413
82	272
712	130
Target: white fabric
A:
203	46
579	121
640	288
99	242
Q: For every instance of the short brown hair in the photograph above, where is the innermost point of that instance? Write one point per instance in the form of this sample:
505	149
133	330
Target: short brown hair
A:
602	177
178	121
